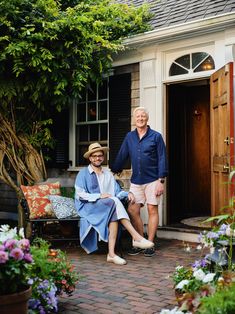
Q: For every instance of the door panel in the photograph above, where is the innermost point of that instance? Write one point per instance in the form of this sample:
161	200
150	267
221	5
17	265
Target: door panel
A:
222	136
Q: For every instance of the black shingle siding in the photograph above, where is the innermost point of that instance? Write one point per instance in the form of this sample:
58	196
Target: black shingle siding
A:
173	12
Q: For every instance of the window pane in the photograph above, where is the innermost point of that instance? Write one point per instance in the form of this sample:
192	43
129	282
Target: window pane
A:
81	149
198	57
92	111
177	70
83	133
206	65
81	111
92	92
102	92
102	110
184	61
103	131
94	132
83	95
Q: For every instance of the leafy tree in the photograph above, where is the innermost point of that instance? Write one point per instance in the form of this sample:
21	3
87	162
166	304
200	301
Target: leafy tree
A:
50	51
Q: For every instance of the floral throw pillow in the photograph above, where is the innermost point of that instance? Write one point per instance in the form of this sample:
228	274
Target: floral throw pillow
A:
63	207
37	199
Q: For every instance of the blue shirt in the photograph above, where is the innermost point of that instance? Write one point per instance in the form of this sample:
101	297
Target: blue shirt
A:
147	155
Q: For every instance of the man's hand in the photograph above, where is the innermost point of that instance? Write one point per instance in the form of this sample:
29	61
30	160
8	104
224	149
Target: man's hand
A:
131	198
160	188
105	195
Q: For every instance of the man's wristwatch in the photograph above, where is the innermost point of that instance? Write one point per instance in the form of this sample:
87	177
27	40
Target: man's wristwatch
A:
162	180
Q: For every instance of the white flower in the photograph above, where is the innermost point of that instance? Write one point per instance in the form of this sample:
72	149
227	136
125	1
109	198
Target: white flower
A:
212	250
182	283
173	311
4	228
199	247
7	233
228	231
179	267
199	274
208	278
21	233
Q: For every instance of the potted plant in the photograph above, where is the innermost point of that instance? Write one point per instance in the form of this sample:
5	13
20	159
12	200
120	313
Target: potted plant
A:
32	276
15	269
52	274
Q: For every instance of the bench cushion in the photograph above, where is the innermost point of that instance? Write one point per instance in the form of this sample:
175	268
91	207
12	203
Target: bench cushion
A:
37	199
63	207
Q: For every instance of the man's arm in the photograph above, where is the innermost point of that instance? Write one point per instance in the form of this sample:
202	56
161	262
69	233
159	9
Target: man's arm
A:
162	158
121	157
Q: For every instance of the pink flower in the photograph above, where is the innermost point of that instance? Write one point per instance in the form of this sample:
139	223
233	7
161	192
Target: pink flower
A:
28	258
10	244
17	254
3	257
24	244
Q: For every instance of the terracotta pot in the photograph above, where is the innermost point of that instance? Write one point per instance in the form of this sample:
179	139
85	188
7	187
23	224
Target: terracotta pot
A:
15	303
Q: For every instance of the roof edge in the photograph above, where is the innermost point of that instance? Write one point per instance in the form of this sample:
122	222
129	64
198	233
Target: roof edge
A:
207	25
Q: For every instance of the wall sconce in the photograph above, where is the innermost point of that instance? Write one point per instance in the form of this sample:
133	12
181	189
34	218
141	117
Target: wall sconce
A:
197	114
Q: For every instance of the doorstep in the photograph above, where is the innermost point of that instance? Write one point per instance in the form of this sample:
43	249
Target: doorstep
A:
178	233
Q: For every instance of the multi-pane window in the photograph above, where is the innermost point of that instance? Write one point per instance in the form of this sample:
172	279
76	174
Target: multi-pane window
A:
92	119
193	62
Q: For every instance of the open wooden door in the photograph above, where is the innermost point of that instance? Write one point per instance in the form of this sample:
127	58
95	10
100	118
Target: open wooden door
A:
222	136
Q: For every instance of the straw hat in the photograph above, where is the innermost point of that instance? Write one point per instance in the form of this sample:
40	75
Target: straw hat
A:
94	147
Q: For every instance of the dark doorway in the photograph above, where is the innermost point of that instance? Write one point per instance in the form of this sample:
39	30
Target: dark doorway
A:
188	125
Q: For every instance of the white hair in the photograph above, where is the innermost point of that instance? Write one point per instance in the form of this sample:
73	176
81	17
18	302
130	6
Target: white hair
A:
141	109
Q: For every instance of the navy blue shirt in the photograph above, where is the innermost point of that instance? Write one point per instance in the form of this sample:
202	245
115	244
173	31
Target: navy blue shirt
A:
147	155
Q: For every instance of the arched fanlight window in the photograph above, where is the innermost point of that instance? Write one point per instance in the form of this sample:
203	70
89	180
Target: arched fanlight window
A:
193	62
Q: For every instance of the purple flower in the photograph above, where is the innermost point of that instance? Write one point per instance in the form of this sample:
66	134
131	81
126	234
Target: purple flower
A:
201	263
10	244
24	244
33	303
28	258
212	235
3	257
17	254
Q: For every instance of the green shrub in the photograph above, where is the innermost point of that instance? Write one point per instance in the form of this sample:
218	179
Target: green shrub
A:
221	302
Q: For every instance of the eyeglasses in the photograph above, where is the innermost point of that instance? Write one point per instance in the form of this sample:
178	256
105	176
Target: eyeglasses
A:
97	156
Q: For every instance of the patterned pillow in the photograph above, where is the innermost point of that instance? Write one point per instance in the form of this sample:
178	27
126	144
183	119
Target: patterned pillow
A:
63	207
37	199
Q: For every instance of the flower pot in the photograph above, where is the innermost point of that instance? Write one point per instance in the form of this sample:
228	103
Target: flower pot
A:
15	303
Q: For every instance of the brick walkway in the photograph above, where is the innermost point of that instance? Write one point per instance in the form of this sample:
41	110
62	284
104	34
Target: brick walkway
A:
142	286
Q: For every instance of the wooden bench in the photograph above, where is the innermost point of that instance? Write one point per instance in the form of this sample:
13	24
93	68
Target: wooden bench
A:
39	226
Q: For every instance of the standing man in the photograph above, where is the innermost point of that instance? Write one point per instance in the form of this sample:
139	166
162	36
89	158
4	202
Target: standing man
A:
97	200
147	152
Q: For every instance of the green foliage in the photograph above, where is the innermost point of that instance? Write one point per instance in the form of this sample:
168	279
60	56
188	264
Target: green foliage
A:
48	51
53	265
221	302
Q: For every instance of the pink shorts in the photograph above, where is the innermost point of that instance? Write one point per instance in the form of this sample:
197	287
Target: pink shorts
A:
145	193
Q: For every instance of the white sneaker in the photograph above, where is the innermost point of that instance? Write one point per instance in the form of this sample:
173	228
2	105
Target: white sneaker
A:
116	260
143	244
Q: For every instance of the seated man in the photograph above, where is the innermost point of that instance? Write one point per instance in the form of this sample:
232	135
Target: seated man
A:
97	201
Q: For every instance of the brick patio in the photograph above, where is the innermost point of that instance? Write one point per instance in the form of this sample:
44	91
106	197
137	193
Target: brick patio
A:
142	286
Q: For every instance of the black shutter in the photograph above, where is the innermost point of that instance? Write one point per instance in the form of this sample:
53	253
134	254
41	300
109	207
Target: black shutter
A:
59	155
119	112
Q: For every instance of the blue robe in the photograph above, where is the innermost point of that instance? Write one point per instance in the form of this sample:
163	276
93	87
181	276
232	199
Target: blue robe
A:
95	216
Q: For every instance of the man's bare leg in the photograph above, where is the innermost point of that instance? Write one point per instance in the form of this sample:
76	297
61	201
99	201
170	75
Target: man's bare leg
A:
153	221
134	212
113	231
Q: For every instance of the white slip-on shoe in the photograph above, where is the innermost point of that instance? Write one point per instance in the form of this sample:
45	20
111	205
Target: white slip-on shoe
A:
143	244
116	260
